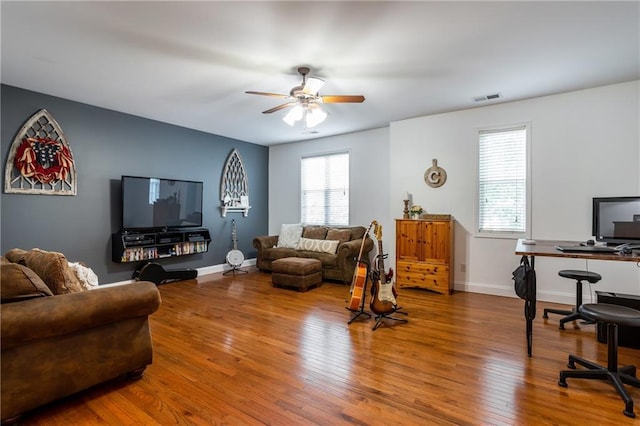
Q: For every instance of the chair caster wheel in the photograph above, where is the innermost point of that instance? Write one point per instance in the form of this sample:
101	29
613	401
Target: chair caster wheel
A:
562	383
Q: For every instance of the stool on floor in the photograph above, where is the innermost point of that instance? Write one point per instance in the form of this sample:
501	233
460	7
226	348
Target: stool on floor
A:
296	272
579	276
612	316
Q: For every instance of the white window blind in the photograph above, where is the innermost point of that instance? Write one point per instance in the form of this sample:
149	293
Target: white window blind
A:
325	189
502	180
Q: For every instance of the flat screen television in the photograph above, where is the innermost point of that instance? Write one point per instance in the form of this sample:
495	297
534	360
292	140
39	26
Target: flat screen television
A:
157	203
616	220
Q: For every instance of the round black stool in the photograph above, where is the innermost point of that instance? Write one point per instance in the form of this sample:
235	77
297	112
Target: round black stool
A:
612	316
579	276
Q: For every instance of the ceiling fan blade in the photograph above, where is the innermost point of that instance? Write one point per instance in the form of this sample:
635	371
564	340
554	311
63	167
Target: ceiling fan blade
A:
277	95
330	99
279	107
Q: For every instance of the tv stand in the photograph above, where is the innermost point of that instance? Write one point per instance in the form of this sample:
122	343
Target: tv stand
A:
137	246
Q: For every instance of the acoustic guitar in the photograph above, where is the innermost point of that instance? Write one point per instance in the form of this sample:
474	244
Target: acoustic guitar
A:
360	275
383	296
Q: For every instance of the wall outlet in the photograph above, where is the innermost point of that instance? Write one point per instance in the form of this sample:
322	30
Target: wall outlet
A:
463	267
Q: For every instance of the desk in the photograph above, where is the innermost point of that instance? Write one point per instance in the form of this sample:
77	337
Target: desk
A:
546	248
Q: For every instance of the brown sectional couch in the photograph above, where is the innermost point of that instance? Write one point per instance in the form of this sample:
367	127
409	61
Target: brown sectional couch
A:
338	266
58	339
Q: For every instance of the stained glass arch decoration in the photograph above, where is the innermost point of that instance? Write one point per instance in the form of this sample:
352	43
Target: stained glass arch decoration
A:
40	160
234	189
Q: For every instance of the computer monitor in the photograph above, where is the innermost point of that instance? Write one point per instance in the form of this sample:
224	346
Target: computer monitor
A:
616	220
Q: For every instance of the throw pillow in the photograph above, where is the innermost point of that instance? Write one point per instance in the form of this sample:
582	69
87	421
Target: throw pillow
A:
341	235
290	235
52	267
322	246
16	255
314	232
17	282
88	279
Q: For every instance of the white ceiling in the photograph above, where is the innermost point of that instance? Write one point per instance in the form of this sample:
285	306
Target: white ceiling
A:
189	63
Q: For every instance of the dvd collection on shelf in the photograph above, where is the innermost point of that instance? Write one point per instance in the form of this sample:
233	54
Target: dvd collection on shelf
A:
134	254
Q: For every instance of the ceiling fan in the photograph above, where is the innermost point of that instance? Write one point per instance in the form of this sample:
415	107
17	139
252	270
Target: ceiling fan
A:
306	100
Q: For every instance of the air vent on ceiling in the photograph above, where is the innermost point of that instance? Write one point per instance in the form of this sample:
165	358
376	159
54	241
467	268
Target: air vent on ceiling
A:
491	97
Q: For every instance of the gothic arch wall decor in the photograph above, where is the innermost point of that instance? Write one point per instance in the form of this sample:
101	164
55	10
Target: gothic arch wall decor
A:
234	190
40	160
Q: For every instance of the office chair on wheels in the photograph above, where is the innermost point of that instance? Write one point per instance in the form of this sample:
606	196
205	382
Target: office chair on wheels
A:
574	314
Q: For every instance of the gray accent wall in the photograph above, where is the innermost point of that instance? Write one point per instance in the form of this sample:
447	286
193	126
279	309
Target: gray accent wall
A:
106	145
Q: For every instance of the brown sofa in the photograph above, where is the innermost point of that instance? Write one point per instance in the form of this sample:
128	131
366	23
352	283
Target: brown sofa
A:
58	339
338	266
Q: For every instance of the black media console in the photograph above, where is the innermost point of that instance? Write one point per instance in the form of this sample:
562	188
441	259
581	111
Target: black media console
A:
144	247
129	246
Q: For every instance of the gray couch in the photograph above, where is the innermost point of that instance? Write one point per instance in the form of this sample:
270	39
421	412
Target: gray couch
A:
338	266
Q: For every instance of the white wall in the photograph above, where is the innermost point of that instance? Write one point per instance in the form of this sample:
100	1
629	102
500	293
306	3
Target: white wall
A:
584	144
369	178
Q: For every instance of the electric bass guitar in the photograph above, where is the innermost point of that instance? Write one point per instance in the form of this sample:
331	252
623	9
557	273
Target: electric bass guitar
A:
383	296
360	275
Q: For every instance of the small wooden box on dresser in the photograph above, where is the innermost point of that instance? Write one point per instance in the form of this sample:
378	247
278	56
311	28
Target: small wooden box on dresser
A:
424	253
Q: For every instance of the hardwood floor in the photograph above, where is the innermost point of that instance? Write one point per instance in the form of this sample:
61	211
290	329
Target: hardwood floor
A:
234	350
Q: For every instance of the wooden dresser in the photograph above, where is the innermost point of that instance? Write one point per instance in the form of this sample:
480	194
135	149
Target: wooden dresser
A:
424	253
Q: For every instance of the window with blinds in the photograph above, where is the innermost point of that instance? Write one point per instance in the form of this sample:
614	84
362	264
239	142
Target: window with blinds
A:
325	189
502	181
154	190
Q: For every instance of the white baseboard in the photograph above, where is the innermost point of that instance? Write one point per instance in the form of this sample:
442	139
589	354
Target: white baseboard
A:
482	288
201	271
113	284
498	290
224	267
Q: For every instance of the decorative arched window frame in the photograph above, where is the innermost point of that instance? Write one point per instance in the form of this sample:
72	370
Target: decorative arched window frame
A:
234	189
40	160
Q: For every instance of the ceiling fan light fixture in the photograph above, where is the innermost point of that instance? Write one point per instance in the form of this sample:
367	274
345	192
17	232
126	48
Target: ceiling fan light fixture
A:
315	115
312	86
295	114
304	101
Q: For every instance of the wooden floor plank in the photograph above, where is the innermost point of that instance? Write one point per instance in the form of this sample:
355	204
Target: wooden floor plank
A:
234	350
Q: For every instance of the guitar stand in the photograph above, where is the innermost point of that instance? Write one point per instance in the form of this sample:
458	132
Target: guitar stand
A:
380	317
360	311
396	310
233	271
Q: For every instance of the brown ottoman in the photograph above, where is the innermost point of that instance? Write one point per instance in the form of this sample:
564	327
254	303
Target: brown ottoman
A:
296	272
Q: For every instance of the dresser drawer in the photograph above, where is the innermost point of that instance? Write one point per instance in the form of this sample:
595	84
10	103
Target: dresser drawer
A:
431	276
